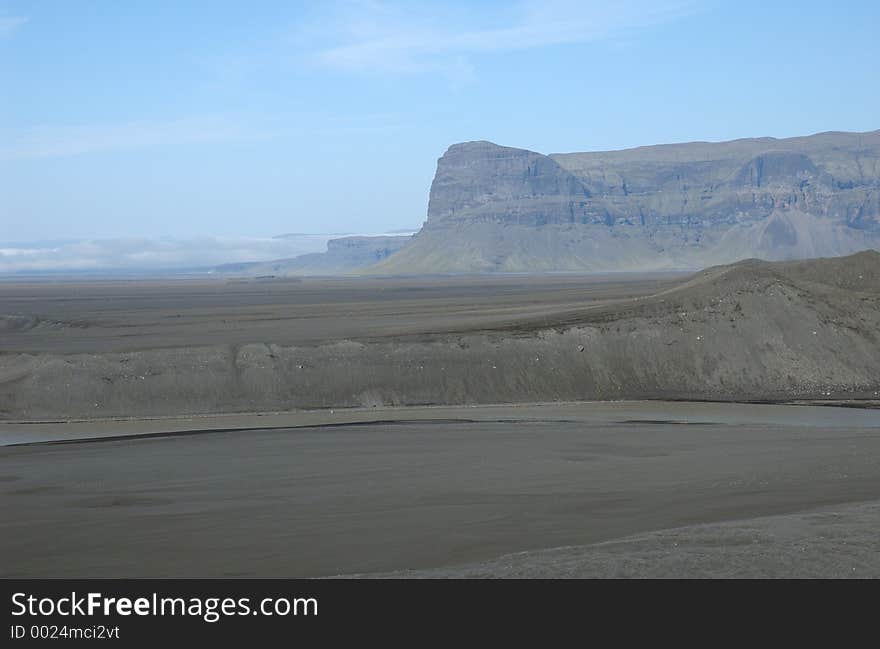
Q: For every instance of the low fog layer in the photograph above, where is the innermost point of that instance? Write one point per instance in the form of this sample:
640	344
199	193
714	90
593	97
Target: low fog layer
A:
133	254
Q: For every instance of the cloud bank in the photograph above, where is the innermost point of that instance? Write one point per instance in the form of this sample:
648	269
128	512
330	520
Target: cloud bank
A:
152	254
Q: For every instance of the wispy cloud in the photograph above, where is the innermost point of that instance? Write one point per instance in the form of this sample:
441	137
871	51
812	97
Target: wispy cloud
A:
53	141
10	24
377	37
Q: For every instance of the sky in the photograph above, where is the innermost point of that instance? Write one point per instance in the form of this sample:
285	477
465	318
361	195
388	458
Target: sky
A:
223	121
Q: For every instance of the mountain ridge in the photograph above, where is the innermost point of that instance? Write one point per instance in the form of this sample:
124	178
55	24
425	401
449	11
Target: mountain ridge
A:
689	205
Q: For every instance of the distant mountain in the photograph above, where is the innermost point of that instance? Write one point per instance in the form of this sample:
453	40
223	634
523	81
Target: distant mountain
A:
343	255
495	208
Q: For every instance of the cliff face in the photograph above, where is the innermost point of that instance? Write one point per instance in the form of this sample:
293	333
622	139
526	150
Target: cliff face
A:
482	182
670	206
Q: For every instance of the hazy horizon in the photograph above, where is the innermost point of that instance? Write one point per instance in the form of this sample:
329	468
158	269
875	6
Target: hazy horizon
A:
230	123
160	253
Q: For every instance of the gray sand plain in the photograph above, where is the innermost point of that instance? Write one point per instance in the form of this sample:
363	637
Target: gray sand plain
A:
831	543
457	490
96	317
447	426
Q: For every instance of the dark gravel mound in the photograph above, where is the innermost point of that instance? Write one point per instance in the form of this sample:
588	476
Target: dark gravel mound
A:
750	331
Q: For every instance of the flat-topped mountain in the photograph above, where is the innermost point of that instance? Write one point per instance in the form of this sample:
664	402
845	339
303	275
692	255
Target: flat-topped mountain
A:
343	255
496	208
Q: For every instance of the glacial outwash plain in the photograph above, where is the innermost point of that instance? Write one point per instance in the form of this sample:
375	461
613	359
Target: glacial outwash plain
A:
753	331
505	425
659	362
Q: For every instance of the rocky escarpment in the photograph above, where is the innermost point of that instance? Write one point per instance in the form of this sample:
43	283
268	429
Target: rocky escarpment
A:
481	182
495	208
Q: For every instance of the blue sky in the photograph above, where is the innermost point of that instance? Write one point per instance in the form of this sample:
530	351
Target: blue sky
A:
250	119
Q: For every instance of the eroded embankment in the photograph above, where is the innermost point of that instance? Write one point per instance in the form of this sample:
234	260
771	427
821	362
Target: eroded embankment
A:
751	331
